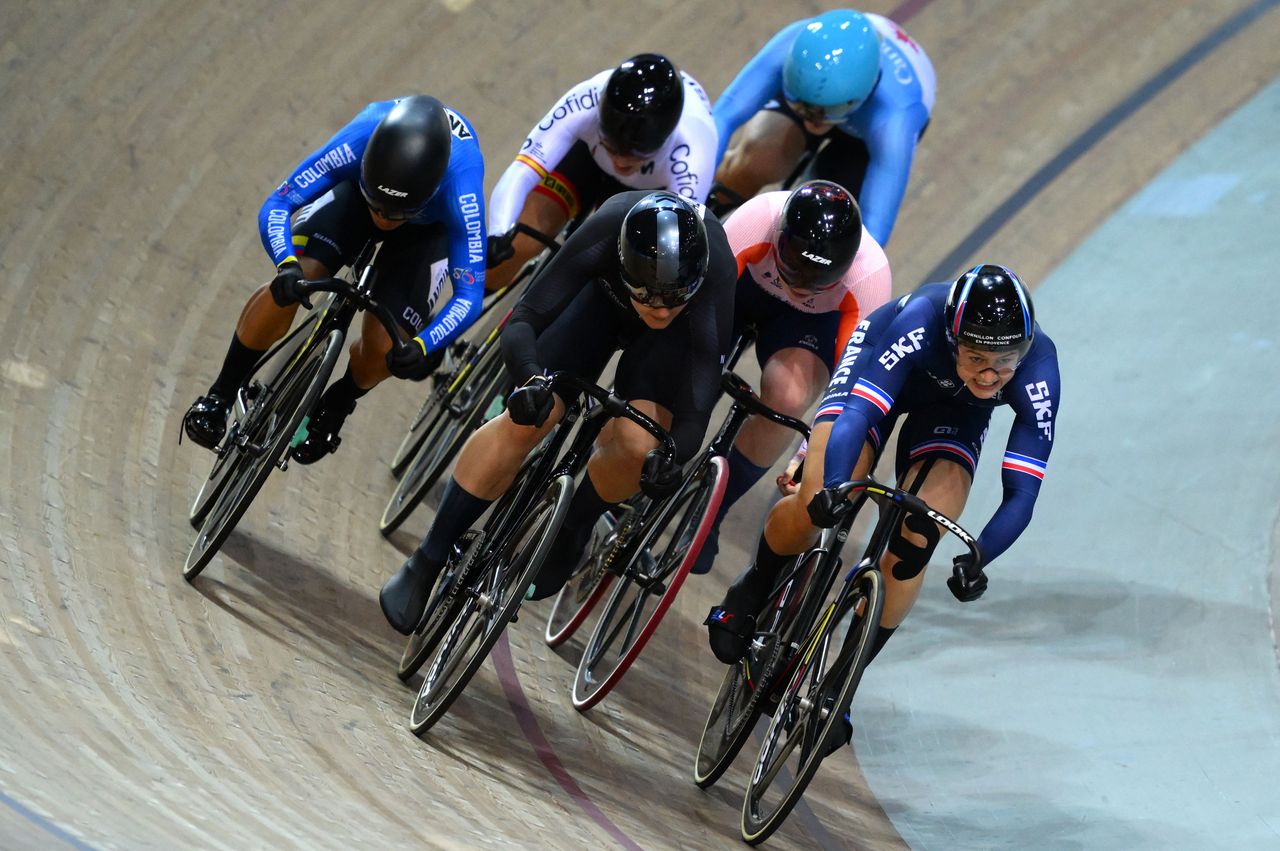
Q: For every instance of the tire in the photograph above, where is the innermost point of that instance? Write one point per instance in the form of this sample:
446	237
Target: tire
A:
272	427
803	732
635	609
450	425
500	583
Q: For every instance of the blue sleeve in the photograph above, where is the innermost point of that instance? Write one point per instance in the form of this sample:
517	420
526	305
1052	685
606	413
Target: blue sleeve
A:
891	145
336	161
461	208
845	445
758	81
1035	399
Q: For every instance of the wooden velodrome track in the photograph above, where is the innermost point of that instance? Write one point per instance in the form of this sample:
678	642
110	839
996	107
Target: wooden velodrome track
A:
259	707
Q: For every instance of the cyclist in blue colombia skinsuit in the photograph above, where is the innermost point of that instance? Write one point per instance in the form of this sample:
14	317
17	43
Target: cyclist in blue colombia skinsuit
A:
405	172
854	80
939	360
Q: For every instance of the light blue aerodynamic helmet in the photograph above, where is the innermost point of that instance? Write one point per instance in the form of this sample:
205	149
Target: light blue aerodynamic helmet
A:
833	65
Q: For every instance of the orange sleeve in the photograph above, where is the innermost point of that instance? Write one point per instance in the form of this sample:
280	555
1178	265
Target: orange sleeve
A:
751	254
849	317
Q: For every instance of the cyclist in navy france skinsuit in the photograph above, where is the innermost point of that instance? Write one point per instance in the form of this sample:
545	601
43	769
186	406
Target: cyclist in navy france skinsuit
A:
938	360
853	80
407	173
642	125
647	275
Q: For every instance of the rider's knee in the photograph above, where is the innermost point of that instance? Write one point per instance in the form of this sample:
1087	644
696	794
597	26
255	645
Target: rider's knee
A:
631	441
792	398
914	552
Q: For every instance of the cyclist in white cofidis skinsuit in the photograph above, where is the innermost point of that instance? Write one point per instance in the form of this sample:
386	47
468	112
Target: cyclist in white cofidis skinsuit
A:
808	273
642	125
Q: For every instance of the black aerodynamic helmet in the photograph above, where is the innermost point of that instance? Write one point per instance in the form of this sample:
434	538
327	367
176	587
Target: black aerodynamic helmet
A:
641	103
663	250
819	233
989	308
406	157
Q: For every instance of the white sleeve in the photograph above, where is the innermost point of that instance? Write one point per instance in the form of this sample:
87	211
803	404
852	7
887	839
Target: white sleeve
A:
570	120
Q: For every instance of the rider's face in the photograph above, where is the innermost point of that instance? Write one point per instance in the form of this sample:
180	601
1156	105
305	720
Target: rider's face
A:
818	128
984	373
656	318
383	223
624	162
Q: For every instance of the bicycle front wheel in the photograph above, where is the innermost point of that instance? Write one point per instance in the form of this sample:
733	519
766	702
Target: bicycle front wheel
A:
649	584
491	602
811	710
262	445
447	597
450	426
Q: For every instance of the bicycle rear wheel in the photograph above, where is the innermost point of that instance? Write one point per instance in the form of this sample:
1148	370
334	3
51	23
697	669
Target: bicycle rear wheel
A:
811	709
452	423
578	598
491	602
649	585
265	439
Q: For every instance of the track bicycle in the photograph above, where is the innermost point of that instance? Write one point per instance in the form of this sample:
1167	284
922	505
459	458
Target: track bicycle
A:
483	584
270	412
655	546
798	670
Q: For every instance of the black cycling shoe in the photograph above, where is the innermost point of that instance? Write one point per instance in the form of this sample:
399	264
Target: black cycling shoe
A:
562	559
731	625
322	434
841	735
404	596
206	420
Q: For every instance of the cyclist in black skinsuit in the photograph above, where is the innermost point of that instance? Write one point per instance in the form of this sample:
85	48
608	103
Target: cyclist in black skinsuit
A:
647	274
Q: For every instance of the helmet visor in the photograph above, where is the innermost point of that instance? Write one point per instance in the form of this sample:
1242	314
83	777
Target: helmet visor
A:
833	114
379	209
616	150
659	298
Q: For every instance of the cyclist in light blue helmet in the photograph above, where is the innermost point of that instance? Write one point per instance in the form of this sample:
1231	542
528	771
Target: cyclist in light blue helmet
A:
852	72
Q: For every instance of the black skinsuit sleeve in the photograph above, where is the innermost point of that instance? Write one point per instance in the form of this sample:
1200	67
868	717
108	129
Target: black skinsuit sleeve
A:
710	330
588	254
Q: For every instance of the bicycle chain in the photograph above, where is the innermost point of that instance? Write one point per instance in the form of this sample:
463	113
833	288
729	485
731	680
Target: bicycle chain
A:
622	536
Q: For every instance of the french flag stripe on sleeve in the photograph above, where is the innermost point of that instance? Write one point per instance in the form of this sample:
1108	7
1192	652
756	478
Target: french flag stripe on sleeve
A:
1024	464
873	394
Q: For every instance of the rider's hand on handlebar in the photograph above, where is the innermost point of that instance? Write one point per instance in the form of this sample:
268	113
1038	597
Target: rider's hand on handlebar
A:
788	481
499	248
412	361
286	286
966	583
661	475
828	507
530	404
